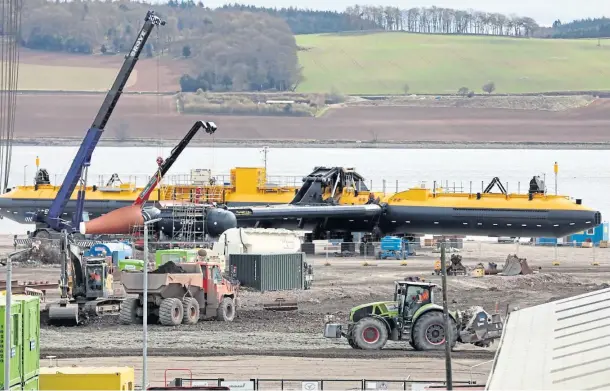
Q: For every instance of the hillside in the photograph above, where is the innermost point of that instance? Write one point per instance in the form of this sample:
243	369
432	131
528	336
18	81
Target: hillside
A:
382	63
374	63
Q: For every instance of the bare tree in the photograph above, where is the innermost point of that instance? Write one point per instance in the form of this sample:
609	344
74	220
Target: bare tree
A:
489	87
463	91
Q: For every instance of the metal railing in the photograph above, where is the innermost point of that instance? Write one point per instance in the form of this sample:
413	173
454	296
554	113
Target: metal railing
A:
385	186
321	384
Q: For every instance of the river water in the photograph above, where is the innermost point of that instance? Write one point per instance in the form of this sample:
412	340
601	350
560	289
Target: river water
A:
582	173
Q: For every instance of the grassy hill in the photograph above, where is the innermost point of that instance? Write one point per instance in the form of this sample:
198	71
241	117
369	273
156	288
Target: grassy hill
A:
382	63
375	63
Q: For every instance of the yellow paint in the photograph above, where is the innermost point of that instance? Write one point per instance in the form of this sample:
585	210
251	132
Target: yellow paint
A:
87	378
403	263
248	185
425	197
555	263
37	162
556	168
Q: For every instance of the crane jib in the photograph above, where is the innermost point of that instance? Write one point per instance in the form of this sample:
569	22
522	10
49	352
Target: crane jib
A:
138	44
78	168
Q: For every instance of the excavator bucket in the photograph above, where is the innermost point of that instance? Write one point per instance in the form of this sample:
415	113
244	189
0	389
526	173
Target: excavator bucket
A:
525	268
281	304
515	266
63	314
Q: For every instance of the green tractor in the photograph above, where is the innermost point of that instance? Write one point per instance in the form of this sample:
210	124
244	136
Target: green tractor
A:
414	317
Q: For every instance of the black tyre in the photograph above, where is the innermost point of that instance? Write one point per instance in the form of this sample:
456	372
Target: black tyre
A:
351	343
171	312
429	332
226	310
190	308
370	334
129	311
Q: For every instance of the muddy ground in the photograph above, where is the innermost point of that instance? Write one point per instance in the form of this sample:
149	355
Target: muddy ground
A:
144	120
344	283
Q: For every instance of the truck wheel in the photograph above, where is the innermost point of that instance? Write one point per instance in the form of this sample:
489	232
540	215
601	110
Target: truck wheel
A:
226	311
370	334
129	314
171	312
429	332
190	308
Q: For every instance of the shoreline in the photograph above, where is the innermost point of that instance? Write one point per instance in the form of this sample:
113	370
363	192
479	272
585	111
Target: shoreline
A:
341	144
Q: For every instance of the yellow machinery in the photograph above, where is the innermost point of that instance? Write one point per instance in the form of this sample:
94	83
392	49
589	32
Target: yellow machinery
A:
247	185
86	378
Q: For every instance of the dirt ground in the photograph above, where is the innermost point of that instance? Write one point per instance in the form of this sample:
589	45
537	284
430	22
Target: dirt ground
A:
337	287
143	78
144	117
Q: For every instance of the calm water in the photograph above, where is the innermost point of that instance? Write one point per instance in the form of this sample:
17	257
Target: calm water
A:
582	174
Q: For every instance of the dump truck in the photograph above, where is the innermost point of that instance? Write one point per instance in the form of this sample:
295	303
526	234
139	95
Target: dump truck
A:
413	317
179	293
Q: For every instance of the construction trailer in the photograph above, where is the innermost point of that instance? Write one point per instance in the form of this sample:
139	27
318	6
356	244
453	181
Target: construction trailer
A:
594	235
24	342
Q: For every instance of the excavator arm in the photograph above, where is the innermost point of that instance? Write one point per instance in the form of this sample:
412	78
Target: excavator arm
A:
80	165
210	128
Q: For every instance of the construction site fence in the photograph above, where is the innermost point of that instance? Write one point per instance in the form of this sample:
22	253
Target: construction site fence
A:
383	185
471	250
325	384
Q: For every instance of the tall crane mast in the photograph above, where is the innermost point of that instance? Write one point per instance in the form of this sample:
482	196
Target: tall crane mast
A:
77	174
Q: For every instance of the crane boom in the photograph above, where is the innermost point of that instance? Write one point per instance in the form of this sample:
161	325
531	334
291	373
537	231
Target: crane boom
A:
210	128
78	170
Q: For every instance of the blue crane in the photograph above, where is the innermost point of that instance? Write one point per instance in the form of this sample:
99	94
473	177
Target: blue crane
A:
77	174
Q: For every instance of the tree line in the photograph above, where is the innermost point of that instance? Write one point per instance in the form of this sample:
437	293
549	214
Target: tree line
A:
305	21
438	20
582	28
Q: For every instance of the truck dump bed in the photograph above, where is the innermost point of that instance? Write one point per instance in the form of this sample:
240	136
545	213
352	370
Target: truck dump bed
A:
166	285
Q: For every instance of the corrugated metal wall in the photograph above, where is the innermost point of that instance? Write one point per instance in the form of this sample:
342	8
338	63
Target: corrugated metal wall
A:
269	272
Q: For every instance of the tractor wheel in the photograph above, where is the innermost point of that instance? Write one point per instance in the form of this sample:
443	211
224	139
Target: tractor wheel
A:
129	311
190	308
352	343
226	310
370	334
429	332
171	312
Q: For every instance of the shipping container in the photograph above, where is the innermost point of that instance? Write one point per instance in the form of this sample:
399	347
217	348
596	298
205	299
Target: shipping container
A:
30	308
86	378
32	384
16	341
270	272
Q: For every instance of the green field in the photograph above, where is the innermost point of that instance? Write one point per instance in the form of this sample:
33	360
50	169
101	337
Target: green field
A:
64	78
382	63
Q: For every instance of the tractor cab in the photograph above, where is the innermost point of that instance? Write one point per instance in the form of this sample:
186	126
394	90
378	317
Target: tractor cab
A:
411	296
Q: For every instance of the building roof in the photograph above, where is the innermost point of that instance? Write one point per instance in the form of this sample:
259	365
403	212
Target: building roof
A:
561	345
